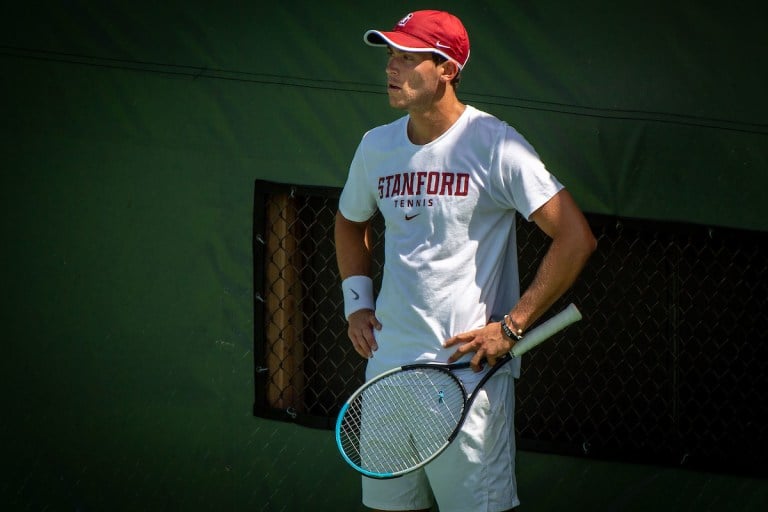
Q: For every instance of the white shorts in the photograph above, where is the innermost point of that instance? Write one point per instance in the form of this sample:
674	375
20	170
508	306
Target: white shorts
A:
476	472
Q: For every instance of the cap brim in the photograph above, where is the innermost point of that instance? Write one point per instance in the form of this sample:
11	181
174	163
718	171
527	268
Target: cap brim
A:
403	42
399	40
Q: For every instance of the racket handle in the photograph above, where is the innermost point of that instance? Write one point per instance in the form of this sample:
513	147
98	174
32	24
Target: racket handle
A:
547	329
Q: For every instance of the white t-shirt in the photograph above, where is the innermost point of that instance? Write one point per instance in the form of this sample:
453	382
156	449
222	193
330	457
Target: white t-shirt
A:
450	254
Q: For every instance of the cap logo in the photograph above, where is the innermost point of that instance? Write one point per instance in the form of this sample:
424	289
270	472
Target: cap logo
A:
441	45
405	20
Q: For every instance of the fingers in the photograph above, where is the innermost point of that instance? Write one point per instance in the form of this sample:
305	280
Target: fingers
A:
477	363
361	326
468	345
462	338
486	343
467	342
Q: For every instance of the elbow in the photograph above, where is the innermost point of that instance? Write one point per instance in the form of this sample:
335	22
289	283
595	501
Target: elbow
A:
583	244
588	244
591	243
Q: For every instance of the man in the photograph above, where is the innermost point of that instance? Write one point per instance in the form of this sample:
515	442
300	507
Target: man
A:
448	179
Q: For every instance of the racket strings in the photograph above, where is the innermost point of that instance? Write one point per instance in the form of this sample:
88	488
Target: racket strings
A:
402	420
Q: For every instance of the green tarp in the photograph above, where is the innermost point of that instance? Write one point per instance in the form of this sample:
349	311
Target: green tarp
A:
644	109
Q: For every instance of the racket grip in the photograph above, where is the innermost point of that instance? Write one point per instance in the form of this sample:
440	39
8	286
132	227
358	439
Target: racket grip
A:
547	329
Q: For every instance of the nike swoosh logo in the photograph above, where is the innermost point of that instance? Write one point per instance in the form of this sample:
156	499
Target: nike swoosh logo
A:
409	217
357	295
441	45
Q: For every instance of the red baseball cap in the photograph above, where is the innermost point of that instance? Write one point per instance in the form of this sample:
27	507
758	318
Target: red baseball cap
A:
426	31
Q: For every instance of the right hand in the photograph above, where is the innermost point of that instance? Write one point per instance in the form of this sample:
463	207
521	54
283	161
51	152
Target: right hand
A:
360	331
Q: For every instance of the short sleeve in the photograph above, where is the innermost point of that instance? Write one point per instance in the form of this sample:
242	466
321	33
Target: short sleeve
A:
356	202
520	179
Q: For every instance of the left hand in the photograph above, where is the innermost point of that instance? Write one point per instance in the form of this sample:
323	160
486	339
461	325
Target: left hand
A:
488	343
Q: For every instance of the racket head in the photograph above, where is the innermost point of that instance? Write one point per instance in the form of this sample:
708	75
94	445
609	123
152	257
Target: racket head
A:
400	420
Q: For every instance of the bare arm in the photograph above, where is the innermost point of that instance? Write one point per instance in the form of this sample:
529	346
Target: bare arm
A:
353	257
353	247
572	243
571	246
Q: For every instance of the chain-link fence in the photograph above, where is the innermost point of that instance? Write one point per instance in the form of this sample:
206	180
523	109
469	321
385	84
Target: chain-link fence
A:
669	365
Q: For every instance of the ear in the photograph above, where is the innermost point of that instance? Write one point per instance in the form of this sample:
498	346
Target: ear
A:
449	71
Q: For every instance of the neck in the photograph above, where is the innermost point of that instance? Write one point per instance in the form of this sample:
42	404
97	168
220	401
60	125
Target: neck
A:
426	125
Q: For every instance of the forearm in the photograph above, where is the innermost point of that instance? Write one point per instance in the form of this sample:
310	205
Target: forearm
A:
571	246
353	247
353	257
558	270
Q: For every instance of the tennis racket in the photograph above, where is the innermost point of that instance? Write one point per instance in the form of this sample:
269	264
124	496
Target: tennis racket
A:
402	419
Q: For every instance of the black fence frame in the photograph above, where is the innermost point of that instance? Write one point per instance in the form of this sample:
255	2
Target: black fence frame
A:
669	365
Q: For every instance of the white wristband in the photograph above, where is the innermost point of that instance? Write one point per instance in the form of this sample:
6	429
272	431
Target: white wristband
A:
358	294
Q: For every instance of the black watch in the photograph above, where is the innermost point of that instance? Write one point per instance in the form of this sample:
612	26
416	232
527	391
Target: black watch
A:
509	333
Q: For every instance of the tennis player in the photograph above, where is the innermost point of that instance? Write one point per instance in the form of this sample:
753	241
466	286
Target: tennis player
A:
448	180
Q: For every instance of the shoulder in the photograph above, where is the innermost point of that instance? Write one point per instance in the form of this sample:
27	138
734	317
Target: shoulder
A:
485	125
483	118
507	138
386	131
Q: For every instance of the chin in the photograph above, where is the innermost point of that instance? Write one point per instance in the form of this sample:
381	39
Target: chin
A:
394	103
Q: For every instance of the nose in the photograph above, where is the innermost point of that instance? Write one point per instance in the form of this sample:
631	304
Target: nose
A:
390	68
